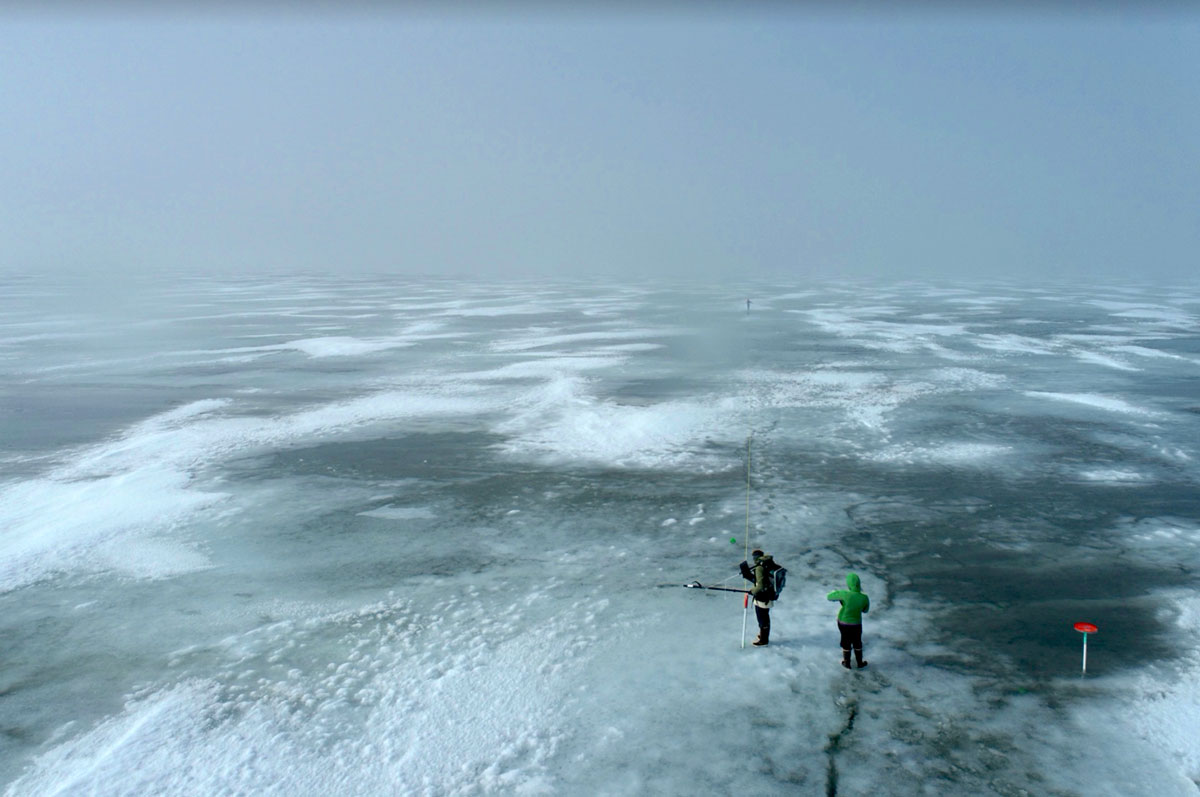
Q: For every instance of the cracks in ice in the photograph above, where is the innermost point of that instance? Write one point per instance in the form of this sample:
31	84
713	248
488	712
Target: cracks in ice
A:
835	744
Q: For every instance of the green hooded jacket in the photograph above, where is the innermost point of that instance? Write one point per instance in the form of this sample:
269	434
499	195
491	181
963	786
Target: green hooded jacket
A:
854	601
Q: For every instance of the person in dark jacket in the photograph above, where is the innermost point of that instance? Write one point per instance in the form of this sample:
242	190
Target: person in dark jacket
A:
855	603
763	591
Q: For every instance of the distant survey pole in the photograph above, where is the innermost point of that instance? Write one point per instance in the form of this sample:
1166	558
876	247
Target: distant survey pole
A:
1085	629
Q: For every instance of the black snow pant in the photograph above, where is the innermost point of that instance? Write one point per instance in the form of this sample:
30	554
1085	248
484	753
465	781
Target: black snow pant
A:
764	618
851	637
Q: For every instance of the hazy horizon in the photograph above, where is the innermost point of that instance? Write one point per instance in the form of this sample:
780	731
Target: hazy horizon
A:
519	143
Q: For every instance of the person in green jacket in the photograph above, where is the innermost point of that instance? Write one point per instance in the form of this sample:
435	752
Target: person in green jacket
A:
854	604
763	591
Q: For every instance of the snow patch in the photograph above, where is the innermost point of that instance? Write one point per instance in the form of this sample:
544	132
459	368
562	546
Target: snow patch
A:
1096	401
400	513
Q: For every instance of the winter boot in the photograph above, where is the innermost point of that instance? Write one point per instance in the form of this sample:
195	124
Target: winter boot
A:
846	659
764	635
858	655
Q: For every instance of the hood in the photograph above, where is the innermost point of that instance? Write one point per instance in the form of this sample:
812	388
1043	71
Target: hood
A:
853	583
764	559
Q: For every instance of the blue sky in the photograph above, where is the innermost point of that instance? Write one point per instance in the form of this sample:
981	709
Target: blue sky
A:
774	142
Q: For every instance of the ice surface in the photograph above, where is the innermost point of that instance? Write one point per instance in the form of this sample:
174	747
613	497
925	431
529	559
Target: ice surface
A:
1115	476
1162	704
342	346
538	339
1107	403
548	368
80	516
881	327
945	454
400	513
1143	351
424	555
1167	316
89	524
564	422
1013	344
1105	360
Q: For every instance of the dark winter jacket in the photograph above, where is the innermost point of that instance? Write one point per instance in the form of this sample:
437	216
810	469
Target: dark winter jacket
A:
760	573
854	601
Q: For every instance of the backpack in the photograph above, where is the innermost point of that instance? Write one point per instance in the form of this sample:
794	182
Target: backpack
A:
778	580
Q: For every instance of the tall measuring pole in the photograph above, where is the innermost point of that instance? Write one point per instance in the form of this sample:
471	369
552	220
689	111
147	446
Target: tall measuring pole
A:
746	537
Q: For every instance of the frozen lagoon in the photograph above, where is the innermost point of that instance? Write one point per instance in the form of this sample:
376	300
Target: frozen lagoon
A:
395	537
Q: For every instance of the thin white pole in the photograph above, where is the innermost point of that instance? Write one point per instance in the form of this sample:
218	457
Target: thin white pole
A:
746	537
745	611
1085	651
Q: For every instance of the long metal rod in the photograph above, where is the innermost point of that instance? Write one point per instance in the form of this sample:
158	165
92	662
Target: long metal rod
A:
746	537
698	585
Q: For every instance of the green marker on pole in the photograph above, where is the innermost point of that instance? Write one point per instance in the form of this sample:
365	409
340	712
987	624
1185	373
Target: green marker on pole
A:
733	540
1085	629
